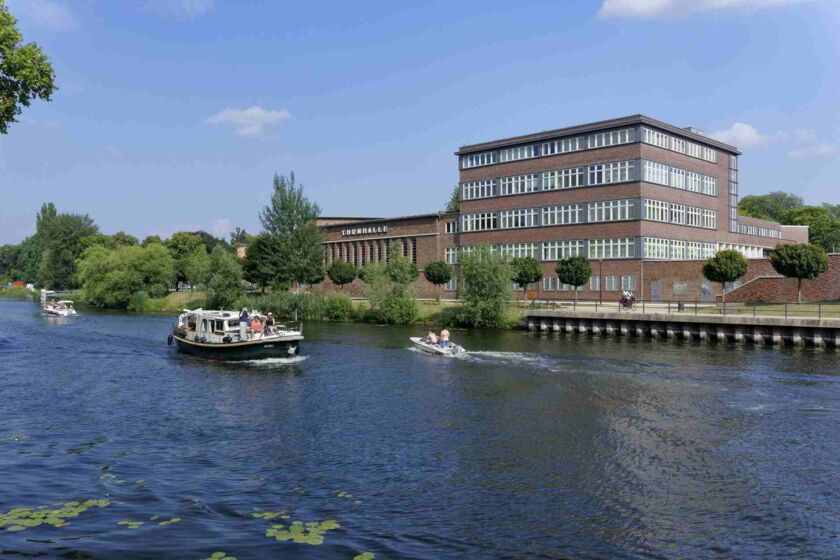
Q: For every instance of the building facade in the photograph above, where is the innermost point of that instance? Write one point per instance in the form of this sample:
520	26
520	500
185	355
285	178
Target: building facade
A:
626	193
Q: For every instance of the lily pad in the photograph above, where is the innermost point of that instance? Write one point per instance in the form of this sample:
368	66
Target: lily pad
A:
365	556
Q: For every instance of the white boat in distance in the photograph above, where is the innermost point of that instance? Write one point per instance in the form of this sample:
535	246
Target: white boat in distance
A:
423	344
63	308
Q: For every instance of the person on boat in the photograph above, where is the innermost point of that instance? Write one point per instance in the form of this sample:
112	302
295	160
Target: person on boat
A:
444	338
269	324
244	319
432	337
256	326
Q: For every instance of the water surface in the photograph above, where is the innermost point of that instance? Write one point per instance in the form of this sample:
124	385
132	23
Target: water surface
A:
529	446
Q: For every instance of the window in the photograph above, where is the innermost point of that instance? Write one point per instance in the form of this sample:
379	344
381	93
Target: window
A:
656	173
563	179
479	222
709	154
709	185
517	153
694	217
477	160
628	282
678	178
562	215
657	211
452	285
680	145
476	189
451	255
549	283
452	227
611	138
693	250
517	250
656	138
619	248
520	184
563	146
678	214
611	210
708	250
606	173
556	250
594	283
611	283
694	181
678	250
518	218
709	219
655	248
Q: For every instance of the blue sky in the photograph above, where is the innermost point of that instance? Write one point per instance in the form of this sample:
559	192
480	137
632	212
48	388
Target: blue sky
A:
174	114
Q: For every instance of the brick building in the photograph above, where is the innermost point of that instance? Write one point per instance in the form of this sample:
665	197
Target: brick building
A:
645	201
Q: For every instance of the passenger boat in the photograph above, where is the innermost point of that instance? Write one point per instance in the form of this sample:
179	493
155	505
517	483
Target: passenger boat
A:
426	346
63	308
216	335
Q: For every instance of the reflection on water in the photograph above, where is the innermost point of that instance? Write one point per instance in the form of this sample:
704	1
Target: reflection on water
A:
528	446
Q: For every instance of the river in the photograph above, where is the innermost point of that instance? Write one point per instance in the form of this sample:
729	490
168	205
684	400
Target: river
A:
529	446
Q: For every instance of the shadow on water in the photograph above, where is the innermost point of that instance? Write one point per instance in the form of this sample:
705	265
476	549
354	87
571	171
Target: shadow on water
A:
527	446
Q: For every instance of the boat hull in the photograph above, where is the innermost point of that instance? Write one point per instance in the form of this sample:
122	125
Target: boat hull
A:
451	350
283	347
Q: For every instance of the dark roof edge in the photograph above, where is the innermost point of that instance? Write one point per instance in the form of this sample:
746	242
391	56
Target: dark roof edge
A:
395	218
591	127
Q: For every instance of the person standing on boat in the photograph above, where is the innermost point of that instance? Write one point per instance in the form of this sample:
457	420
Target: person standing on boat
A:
444	338
269	324
244	319
256	326
432	337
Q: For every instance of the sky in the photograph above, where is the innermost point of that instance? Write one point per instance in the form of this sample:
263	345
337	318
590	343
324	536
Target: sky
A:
175	114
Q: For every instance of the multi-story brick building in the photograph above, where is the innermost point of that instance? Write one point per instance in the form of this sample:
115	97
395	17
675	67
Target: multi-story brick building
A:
622	192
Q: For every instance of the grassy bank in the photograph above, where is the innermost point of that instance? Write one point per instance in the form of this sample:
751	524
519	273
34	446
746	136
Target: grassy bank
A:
17	292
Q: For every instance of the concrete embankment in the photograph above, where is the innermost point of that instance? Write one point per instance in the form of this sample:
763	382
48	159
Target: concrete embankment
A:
739	329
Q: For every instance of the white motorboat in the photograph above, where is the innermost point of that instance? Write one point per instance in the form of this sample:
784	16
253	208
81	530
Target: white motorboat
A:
63	308
423	344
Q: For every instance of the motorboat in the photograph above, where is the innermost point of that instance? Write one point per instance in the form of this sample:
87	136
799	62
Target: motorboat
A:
425	345
217	335
63	308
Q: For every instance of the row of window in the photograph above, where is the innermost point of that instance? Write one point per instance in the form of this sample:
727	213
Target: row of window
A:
562	146
605	211
613	248
592	175
745	229
676	144
358	253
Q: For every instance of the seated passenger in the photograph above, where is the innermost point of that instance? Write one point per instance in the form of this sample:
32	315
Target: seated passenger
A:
256	326
269	324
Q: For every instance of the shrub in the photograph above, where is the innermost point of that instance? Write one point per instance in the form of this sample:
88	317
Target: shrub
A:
137	301
390	290
574	271
725	266
225	280
526	270
801	261
337	307
486	288
341	273
438	273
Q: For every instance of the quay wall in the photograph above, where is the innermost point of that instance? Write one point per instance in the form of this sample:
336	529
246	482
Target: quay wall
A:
773	331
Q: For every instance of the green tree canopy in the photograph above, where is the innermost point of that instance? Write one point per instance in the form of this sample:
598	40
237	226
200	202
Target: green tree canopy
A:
726	266
181	246
390	288
486	288
239	235
61	244
526	270
341	273
117	277
301	256
225	283
288	208
770	206
823	227
125	239
261	265
454	203
574	271
438	273
801	261
149	239
25	71
197	266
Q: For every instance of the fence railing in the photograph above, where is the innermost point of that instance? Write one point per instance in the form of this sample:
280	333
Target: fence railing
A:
819	310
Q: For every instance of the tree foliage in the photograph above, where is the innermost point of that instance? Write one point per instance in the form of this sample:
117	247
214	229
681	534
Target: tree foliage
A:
225	280
301	256
390	288
239	235
182	245
802	261
25	71
341	273
438	273
60	241
574	271
726	266
771	206
288	208
261	263
823	227
526	270
124	276
486	288
454	203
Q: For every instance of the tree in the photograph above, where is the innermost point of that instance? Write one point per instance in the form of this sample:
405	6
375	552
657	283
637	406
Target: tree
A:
225	282
261	263
197	266
239	235
61	245
390	289
123	277
454	203
770	206
124	239
8	259
438	273
301	256
149	239
802	261
526	270
25	71
288	208
574	271
726	266
823	227
181	245
486	288
210	242
341	273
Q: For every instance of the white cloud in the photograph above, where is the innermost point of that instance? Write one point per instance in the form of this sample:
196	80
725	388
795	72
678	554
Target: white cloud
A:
743	135
46	13
651	9
181	9
805	136
250	121
818	150
221	227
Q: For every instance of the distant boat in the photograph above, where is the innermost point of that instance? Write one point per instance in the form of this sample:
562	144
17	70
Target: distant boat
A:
63	308
426	346
216	335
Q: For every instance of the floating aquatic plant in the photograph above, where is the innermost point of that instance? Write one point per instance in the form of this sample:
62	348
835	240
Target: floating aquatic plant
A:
269	515
219	556
131	524
344	495
298	532
365	556
21	518
170	521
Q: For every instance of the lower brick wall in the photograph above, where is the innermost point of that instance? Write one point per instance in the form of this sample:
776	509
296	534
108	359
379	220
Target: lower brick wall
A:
773	288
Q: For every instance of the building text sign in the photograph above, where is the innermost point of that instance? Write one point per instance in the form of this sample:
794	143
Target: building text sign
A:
364	230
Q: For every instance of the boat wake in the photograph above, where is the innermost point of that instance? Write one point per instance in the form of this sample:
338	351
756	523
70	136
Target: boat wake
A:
275	361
